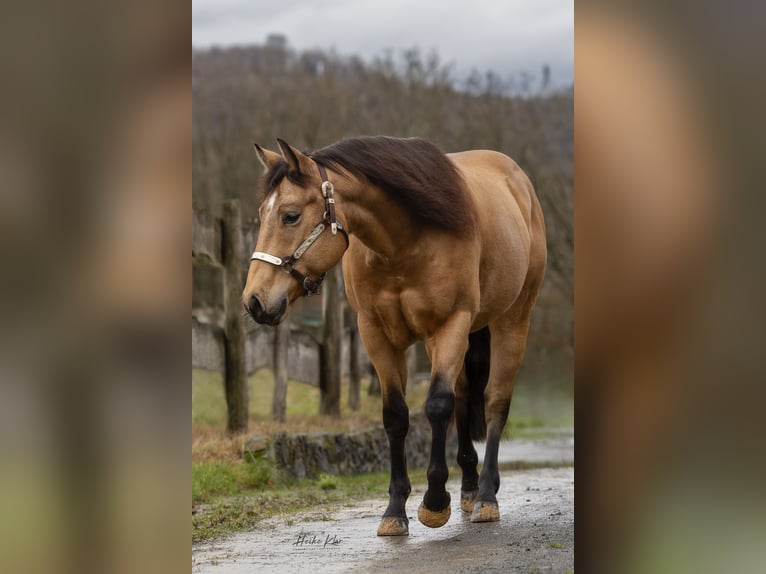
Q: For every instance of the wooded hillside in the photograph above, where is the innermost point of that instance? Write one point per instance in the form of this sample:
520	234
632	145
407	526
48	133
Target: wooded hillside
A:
312	99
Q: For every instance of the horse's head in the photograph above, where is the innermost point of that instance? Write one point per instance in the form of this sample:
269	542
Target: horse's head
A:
296	244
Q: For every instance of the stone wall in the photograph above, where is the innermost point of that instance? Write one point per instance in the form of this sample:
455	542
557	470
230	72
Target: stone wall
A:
309	455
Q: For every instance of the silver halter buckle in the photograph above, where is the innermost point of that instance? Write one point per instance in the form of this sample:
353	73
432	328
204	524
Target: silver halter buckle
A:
328	191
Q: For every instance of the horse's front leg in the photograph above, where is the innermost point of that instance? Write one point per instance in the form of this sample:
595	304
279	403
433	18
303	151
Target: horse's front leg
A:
447	350
391	367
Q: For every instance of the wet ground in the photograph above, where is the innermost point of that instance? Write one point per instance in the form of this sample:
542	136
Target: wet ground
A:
535	532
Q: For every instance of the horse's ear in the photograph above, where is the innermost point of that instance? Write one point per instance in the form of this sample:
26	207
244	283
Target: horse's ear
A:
267	158
297	161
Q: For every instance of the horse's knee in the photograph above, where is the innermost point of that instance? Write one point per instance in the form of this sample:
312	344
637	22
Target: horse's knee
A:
440	405
497	413
396	416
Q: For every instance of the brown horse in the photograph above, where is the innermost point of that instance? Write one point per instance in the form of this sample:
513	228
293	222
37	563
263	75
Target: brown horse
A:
449	249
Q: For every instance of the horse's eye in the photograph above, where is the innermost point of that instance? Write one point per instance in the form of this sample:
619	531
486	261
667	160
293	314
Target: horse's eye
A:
291	218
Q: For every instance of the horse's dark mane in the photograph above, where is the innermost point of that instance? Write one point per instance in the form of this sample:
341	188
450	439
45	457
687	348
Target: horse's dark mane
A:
413	171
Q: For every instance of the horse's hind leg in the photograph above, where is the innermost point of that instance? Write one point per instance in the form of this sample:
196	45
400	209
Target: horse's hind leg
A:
391	367
507	351
467	458
469	413
447	349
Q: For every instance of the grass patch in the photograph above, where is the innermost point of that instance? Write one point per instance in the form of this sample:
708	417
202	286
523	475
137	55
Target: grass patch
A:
555	545
216	479
327	482
208	403
209	445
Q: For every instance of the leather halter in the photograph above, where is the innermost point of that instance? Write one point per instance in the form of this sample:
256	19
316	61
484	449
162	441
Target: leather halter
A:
310	286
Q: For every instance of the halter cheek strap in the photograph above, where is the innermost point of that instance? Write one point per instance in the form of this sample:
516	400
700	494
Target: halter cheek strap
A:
310	286
328	192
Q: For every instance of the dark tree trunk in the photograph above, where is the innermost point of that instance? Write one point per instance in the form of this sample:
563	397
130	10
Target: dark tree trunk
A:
281	338
235	375
353	368
329	382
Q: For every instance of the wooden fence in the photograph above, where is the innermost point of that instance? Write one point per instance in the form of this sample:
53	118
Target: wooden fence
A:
311	348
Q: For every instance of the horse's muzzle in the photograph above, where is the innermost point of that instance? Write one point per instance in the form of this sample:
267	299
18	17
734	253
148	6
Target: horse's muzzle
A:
259	314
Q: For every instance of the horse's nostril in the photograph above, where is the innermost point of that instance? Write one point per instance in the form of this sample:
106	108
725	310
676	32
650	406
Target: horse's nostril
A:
259	313
255	307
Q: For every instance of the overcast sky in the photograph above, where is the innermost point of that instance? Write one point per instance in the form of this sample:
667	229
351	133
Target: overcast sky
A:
505	36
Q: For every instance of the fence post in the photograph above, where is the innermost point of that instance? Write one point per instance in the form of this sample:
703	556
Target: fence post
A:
373	389
330	350
235	372
281	338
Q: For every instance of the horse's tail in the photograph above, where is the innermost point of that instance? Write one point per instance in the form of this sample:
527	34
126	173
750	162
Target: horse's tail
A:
477	373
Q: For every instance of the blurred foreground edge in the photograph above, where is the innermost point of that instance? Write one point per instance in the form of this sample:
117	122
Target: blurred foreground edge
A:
664	403
95	168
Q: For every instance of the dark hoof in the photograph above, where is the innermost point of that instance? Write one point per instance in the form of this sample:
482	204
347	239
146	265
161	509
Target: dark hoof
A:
468	499
485	512
392	526
433	518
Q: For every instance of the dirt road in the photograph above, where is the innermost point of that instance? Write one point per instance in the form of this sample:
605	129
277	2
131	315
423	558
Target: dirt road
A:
535	532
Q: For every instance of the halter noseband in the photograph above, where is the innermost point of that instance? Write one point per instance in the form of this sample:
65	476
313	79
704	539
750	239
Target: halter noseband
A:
310	287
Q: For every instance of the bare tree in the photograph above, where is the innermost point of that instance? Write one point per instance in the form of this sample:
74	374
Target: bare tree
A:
329	380
235	376
315	99
373	389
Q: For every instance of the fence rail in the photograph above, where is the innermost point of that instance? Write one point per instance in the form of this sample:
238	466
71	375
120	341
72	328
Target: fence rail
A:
302	351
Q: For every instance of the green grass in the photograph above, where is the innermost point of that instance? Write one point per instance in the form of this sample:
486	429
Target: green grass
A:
327	482
208	404
215	479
